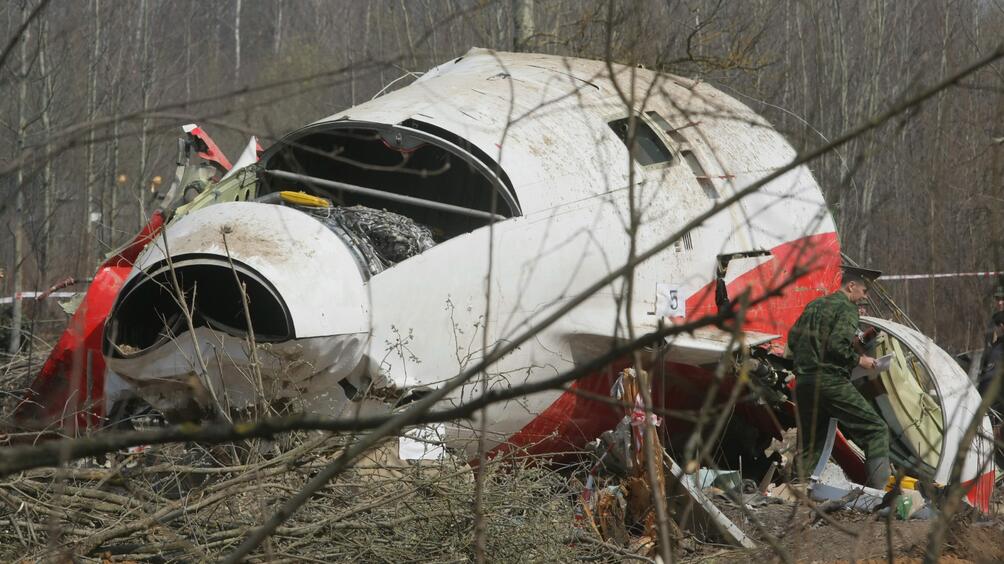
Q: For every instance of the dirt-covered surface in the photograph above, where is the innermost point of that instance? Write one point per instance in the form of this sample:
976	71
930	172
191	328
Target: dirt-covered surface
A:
850	536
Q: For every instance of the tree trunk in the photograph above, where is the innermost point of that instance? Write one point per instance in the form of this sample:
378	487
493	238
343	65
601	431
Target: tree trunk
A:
870	107
43	241
408	36
188	56
146	75
17	276
277	35
114	168
237	42
92	104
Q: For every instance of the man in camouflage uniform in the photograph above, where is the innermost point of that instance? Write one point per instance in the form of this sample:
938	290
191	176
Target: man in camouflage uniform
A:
821	344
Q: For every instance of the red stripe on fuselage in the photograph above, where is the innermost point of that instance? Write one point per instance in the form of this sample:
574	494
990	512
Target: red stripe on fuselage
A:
819	255
978	491
572	420
69	390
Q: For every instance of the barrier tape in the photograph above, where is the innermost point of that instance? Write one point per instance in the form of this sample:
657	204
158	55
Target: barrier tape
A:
32	295
943	275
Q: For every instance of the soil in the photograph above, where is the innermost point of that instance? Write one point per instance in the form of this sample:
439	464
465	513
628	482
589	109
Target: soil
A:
863	540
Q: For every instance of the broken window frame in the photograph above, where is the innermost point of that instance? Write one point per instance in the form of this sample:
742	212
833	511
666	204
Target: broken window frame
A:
922	372
685	154
494	174
644	121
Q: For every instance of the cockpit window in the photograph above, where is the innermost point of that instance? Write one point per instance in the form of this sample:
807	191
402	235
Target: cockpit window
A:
648	148
434	181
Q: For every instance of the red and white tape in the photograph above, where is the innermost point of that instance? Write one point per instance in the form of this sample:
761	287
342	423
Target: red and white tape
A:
33	295
943	275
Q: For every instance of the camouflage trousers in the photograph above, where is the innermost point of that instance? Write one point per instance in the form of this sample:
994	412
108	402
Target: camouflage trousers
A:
820	397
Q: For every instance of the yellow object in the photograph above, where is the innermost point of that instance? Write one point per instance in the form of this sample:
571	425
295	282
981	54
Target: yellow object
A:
908	483
304	199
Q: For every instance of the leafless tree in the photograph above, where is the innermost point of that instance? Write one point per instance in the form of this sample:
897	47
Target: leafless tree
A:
917	191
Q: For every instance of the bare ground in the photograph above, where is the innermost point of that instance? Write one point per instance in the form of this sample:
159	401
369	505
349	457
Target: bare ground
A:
971	538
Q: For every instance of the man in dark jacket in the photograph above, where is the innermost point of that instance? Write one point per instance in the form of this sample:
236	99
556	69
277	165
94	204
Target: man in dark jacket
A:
992	334
993	357
821	345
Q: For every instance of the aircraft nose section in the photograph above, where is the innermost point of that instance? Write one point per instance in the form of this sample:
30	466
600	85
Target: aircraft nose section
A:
294	276
232	273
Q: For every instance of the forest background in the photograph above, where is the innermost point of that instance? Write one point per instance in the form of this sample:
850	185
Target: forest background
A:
93	93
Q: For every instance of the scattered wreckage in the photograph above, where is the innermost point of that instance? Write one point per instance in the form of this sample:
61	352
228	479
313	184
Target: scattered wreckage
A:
349	268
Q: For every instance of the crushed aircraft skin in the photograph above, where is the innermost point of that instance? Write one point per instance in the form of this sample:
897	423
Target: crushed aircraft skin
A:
521	152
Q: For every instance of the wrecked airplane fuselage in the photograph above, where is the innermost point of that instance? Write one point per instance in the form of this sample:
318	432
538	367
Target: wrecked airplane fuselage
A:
459	211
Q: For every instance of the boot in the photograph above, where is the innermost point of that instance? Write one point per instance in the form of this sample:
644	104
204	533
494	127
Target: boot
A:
877	472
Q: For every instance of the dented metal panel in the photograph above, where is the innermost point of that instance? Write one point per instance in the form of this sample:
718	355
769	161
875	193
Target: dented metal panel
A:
310	267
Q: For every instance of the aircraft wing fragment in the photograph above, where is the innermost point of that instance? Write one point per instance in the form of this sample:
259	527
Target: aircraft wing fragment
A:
701	347
710	344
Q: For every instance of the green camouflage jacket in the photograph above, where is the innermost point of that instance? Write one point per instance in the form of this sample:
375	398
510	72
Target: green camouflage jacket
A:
820	341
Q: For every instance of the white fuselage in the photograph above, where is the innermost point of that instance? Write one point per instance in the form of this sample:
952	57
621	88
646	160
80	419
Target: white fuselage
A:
546	122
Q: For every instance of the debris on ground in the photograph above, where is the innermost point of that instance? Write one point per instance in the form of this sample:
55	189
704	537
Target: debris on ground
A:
409	500
194	504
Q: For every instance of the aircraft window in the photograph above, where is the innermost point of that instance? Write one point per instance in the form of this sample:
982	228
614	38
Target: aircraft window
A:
688	155
378	169
666	128
648	147
473	150
699	174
